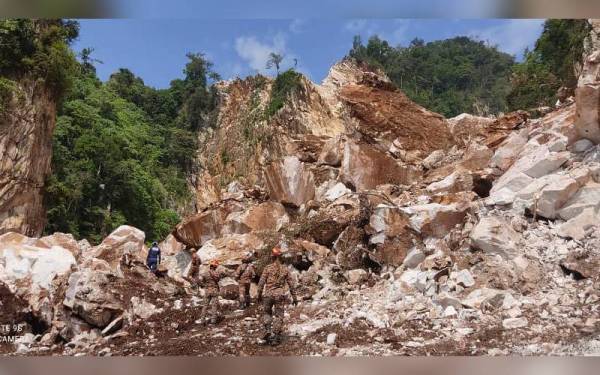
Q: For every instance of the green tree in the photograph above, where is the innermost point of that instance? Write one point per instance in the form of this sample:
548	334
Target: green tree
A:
275	60
449	76
551	64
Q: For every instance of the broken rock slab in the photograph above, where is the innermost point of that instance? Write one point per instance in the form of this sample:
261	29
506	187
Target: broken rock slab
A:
496	236
512	323
586	197
364	168
289	182
577	227
265	216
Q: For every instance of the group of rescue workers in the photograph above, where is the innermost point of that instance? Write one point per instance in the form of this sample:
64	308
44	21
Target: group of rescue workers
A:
272	292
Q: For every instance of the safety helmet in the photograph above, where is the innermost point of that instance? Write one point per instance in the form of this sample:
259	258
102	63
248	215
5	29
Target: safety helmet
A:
276	251
214	263
154	243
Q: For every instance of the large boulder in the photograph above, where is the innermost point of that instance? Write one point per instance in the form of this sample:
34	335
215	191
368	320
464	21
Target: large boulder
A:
289	182
509	150
459	180
435	219
196	230
29	271
554	195
123	240
495	235
90	296
332	152
364	167
265	216
587	196
587	97
229	249
577	227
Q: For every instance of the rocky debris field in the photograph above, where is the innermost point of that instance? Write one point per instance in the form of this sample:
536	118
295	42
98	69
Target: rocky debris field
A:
481	239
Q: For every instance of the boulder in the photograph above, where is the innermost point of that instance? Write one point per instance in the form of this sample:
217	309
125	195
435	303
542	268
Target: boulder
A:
457	181
196	230
90	296
583	263
413	258
586	197
587	97
436	220
63	240
123	240
509	150
463	278
28	271
496	236
357	276
336	191
364	167
289	182
141	308
576	227
433	160
582	145
265	216
229	249
332	152
554	195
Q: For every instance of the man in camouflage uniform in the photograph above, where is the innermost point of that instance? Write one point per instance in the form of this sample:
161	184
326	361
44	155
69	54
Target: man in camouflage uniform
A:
244	274
193	274
273	280
210	280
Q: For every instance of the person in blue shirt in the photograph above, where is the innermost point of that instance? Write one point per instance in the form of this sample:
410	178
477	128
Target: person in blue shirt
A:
154	258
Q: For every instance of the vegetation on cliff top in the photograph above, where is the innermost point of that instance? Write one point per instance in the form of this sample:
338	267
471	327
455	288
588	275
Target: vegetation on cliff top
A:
449	76
459	75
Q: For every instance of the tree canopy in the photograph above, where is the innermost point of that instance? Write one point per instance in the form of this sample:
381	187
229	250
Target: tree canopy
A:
449	76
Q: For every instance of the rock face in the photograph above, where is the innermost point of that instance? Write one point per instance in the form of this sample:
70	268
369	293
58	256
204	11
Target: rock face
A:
289	182
26	128
587	97
364	167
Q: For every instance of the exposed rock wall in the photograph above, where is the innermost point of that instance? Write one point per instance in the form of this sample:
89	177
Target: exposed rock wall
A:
26	128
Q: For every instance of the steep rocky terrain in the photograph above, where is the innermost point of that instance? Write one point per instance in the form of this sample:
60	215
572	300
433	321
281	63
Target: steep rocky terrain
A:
27	120
407	234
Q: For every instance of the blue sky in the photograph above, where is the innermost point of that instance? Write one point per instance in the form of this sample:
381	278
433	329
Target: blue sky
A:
155	49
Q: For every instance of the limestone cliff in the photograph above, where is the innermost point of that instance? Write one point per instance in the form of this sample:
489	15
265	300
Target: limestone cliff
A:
26	126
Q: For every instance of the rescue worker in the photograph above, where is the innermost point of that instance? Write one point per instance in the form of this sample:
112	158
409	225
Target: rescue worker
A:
210	281
273	280
192	276
244	274
153	260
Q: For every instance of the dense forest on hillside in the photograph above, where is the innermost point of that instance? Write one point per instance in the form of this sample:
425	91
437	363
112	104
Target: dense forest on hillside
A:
123	150
459	75
449	76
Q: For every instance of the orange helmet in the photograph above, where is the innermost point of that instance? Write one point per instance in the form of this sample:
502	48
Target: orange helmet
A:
214	262
276	251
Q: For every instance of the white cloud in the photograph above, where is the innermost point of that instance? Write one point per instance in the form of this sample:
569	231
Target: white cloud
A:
512	36
256	53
